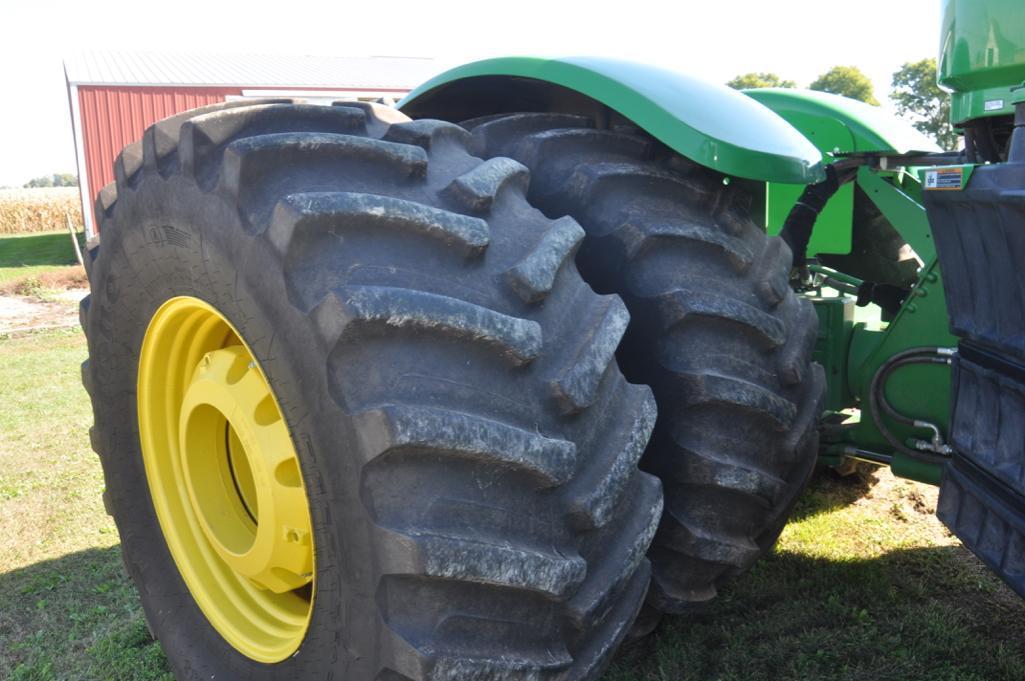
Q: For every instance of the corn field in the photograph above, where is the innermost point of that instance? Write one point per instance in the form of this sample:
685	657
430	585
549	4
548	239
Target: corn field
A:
38	210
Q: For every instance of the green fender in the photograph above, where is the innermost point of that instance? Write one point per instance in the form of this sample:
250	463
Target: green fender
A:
853	125
832	123
708	123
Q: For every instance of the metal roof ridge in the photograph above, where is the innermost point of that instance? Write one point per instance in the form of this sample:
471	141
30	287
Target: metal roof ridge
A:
148	68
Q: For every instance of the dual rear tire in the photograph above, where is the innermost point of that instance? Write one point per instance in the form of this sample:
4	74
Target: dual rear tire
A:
715	330
464	446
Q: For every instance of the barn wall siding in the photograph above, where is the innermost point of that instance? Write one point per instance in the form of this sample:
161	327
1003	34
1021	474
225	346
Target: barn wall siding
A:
113	116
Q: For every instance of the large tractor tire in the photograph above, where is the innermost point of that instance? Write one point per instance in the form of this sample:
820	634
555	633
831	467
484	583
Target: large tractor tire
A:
358	414
878	252
715	330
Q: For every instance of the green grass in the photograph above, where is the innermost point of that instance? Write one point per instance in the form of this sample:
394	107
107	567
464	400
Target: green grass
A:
67	610
864	585
23	255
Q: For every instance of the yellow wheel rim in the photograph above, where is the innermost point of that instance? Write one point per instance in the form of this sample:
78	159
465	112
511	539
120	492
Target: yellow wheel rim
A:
225	480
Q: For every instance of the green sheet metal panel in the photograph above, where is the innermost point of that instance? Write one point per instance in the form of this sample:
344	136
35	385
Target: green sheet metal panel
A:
706	122
833	228
872	128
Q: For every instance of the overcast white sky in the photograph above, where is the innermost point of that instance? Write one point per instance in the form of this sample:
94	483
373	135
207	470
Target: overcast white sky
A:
716	39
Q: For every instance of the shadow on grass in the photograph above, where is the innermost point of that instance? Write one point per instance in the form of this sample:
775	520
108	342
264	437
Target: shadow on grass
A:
919	614
924	614
75	617
52	248
829	491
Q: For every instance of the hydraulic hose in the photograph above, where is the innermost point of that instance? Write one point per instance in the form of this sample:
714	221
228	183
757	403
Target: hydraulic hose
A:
971	155
877	399
800	222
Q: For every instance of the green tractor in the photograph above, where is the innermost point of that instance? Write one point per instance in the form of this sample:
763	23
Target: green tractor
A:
479	387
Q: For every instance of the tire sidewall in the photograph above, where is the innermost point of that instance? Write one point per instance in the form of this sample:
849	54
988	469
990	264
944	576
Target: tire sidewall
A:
199	248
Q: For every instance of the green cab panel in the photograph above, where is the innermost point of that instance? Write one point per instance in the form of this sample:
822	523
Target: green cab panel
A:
833	124
982	56
708	123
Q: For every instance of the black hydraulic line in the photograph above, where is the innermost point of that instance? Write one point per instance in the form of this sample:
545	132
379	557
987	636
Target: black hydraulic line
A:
800	222
986	143
889	297
969	145
884	403
919	355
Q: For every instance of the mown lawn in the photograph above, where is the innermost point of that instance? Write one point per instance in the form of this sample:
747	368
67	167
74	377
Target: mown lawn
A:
25	255
66	608
865	583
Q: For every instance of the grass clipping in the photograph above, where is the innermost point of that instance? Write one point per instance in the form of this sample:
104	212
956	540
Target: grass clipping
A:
24	211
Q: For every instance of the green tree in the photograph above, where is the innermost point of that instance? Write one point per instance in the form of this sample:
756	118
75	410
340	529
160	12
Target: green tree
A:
55	180
848	81
759	80
917	97
44	181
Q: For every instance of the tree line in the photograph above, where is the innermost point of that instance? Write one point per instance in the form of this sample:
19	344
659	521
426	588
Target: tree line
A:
913	91
55	180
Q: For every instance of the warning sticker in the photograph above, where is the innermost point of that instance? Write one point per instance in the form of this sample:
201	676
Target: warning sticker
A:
945	178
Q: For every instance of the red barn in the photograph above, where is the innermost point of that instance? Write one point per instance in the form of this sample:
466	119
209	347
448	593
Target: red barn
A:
115	96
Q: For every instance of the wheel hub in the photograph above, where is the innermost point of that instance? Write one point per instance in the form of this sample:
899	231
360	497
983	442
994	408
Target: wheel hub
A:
267	537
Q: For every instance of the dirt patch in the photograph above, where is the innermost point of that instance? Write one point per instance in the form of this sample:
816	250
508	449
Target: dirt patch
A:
58	279
909	502
22	314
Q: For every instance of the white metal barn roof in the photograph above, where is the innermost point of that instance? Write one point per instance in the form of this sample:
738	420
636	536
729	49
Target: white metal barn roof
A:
114	96
159	69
